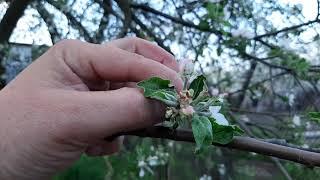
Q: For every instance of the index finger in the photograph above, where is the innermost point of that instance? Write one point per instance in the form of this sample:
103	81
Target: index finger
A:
92	62
146	49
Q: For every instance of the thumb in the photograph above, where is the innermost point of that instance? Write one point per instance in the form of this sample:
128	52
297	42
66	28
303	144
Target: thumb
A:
104	113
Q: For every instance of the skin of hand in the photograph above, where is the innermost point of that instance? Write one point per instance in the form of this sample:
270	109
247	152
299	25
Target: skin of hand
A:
72	97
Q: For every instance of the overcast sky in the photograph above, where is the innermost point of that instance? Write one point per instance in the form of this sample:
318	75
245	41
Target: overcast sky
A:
309	11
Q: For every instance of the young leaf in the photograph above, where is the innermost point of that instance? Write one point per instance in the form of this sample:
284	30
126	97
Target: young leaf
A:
202	132
159	89
154	84
197	85
224	134
168	97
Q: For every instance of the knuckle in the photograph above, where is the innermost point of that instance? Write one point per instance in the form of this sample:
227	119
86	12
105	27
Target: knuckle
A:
65	47
134	39
66	43
139	57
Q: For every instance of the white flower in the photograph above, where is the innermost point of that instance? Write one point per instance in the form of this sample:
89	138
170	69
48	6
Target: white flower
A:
222	96
308	125
141	164
186	66
220	119
305	146
291	98
153	160
245	118
226	12
214	91
242	31
286	43
141	172
222	169
205	177
296	120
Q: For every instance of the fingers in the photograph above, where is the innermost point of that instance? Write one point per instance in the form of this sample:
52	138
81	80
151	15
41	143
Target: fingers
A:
102	114
146	49
119	85
105	147
92	62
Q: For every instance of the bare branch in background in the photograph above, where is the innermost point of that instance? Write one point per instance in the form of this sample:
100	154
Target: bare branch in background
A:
83	31
11	17
47	18
286	29
151	34
174	19
106	6
125	7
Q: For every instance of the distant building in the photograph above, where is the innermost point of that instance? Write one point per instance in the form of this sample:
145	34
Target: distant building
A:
19	57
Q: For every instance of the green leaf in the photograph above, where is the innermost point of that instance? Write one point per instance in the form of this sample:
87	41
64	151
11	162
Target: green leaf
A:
168	97
154	84
215	10
204	25
237	130
159	89
202	132
197	85
314	116
224	134
85	168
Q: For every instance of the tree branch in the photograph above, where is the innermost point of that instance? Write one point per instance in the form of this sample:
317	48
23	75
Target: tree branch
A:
151	34
11	17
246	84
99	34
174	19
310	159
285	29
83	31
48	19
260	82
125	7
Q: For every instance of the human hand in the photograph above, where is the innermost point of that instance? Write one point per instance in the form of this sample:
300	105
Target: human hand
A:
71	98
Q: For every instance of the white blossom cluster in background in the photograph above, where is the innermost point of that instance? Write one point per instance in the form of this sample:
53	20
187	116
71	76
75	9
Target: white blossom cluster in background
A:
242	31
214	1
157	158
296	120
291	99
205	177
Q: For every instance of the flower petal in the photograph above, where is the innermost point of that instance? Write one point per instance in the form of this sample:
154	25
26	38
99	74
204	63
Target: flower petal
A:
220	119
214	109
141	173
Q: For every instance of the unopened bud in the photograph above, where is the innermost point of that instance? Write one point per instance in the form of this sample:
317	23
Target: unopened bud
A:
188	110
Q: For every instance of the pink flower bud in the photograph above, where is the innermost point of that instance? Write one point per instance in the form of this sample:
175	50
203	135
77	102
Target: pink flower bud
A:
188	110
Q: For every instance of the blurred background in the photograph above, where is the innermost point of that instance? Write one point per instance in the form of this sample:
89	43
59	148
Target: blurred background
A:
262	56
